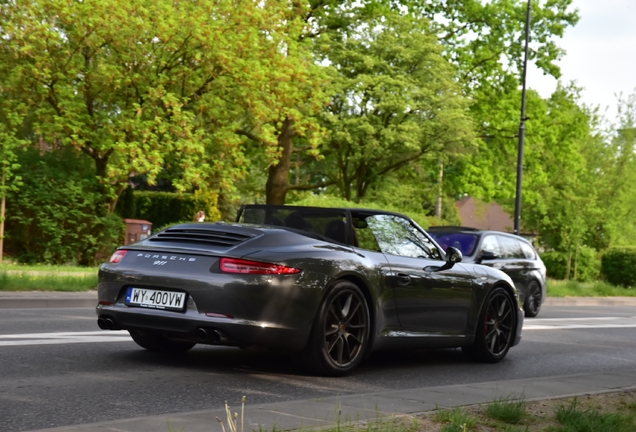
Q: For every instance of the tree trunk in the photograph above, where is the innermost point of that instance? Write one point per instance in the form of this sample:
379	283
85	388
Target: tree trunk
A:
568	266
576	261
278	179
440	178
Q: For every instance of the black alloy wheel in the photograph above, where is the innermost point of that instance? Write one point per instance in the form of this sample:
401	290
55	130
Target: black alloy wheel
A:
340	334
532	304
495	329
158	343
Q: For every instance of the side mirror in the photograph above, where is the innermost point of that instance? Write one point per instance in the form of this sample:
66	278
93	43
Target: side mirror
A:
453	256
488	255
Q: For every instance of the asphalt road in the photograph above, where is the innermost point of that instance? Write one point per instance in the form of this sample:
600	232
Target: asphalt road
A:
57	368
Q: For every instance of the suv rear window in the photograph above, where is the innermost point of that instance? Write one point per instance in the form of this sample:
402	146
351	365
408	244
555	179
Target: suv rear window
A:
466	243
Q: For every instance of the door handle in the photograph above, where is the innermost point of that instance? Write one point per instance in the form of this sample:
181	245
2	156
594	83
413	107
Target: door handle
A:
403	278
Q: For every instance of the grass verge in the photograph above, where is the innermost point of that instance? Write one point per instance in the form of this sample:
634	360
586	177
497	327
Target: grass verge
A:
13	266
569	288
44	281
608	412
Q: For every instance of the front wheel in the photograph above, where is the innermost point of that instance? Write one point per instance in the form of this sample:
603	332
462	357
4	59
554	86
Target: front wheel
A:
532	304
158	343
495	329
340	333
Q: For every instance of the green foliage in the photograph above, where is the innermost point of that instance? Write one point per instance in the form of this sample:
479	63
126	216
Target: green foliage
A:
599	288
36	281
55	217
395	101
144	85
584	265
618	264
455	420
507	410
168	208
573	419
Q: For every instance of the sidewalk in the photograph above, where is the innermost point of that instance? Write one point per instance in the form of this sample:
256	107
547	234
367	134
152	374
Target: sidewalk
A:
328	411
53	299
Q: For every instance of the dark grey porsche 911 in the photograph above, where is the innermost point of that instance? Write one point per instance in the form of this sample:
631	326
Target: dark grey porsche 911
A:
328	285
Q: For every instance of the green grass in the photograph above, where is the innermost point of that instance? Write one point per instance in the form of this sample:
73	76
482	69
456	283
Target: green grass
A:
455	420
572	419
560	288
511	411
13	266
32	281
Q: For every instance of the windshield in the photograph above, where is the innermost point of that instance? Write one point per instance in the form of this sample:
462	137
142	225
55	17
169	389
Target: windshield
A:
466	243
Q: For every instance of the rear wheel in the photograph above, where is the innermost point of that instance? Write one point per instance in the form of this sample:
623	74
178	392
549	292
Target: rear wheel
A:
532	304
340	333
157	343
495	328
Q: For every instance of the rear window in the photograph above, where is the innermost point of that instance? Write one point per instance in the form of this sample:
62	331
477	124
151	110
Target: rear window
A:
466	243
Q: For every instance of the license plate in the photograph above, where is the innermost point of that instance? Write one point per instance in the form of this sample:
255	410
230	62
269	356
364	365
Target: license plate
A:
156	299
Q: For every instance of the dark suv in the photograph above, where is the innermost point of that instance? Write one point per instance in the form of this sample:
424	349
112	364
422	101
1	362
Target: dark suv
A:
512	254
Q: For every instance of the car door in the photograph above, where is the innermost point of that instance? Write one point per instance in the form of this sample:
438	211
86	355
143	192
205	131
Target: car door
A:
513	261
427	300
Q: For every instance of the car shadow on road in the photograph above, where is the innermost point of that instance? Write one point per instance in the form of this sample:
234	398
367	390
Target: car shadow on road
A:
234	360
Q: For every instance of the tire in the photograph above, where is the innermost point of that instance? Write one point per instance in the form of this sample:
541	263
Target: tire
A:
532	303
339	336
495	329
158	343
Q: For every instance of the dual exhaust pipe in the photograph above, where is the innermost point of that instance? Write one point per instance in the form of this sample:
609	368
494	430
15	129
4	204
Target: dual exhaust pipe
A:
213	336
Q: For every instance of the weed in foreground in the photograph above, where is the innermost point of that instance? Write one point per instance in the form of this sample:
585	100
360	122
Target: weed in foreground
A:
574	420
507	410
232	420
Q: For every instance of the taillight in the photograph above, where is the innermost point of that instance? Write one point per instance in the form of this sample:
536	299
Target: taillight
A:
232	265
118	256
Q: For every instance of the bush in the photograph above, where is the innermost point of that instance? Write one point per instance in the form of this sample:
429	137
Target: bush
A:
586	263
167	208
57	215
618	266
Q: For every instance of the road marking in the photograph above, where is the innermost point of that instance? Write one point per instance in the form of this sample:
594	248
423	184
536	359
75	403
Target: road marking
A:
64	338
123	336
578	323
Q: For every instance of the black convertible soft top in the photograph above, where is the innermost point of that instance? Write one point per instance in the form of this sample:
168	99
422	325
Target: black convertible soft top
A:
334	223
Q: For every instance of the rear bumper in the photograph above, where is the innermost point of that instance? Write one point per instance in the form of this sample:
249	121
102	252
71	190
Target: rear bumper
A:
188	326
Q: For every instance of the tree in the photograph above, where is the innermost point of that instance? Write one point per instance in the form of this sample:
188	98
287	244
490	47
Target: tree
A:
396	101
482	38
140	85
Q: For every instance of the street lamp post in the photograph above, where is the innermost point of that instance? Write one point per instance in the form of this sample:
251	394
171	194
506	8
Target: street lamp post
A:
522	126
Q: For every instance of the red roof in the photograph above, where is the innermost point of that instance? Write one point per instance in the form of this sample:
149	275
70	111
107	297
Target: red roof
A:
137	221
480	215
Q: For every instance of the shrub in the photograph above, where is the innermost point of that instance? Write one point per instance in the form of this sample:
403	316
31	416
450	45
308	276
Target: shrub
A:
58	215
618	266
587	265
167	208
